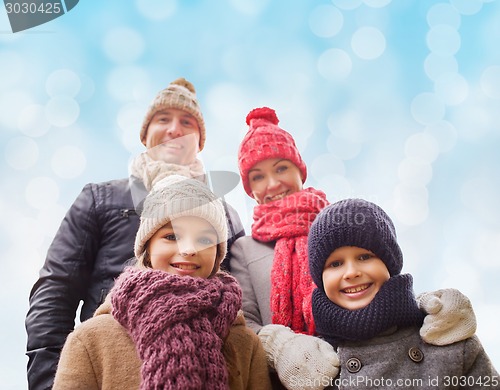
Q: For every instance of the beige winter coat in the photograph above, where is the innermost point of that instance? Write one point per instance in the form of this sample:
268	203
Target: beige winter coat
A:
100	354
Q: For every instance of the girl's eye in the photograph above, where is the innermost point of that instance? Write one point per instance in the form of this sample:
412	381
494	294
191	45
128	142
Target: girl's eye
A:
206	241
171	237
335	264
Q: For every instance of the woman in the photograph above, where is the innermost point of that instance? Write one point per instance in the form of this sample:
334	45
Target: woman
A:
173	321
272	265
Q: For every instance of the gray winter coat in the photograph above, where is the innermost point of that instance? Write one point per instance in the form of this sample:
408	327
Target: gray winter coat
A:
251	263
401	360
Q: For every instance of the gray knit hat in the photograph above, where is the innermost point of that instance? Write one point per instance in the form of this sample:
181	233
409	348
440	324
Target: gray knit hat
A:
353	222
177	196
179	94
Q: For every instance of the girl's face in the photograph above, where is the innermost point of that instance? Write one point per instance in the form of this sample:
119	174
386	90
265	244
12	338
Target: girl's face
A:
273	179
352	277
184	246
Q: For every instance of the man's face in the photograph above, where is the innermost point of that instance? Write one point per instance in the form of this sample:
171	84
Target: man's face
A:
173	136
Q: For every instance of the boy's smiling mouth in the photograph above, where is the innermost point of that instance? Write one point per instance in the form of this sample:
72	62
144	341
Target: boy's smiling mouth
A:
356	289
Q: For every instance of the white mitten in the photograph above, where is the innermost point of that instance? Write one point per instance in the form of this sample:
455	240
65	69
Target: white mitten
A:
450	317
301	361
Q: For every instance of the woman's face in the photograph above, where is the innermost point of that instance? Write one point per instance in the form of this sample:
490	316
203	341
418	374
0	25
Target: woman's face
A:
184	246
273	179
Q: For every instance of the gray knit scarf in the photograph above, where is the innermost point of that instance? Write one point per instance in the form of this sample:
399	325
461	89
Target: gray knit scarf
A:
394	305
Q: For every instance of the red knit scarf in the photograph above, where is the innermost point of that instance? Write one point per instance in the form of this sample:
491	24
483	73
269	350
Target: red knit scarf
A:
287	221
178	324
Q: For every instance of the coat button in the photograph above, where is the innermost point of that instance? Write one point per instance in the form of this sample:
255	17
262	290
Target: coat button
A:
415	354
353	365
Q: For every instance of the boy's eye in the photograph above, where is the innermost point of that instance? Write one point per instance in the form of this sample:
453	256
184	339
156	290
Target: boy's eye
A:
187	123
335	264
366	256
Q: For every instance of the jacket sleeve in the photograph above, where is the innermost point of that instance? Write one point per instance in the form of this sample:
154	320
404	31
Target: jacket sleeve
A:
259	371
479	372
61	286
75	370
239	269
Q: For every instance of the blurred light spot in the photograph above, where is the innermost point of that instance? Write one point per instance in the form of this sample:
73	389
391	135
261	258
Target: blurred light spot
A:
87	89
451	88
128	83
348	125
427	109
435	65
444	133
326	21
334	64
62	111
485	244
63	82
129	120
344	149
443	40
421	147
32	121
443	13
480	195
411	204
368	43
68	162
21	153
123	45
336	187
12	68
42	193
490	82
413	172
23	228
156	9
12	104
254	7
326	164
474	121
467	7
347	4
377	3
50	218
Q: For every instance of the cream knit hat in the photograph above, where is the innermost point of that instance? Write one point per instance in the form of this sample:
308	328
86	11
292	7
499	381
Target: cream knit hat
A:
179	94
177	196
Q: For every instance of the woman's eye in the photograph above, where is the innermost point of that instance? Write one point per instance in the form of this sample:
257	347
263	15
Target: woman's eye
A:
187	123
256	178
281	168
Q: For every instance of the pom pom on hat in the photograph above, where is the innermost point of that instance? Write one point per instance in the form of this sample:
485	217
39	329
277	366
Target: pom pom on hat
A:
265	140
177	196
180	94
352	222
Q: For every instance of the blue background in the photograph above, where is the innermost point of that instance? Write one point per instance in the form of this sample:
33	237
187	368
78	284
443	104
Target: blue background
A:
393	101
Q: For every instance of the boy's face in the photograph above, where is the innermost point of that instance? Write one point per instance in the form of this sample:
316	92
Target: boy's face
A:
352	277
184	246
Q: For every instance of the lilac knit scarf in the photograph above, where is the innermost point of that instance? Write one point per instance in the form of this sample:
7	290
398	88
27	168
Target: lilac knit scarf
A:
393	305
178	324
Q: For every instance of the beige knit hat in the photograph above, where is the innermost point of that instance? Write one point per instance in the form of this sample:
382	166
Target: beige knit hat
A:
177	196
179	94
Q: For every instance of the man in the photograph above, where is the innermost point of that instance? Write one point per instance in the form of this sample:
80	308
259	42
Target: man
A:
96	238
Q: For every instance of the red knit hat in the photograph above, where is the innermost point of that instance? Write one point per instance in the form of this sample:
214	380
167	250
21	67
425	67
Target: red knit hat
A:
265	140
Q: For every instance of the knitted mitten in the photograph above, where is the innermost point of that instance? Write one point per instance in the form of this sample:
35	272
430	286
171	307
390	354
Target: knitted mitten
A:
450	317
301	361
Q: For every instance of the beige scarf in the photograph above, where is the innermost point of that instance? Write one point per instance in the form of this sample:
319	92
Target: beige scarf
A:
152	171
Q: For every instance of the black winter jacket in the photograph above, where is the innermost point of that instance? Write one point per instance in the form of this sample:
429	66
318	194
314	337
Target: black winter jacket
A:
92	246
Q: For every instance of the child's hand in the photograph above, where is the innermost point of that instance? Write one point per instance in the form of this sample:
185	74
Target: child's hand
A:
301	361
450	317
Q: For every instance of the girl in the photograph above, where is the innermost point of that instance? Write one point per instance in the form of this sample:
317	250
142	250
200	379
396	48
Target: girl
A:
366	308
173	320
